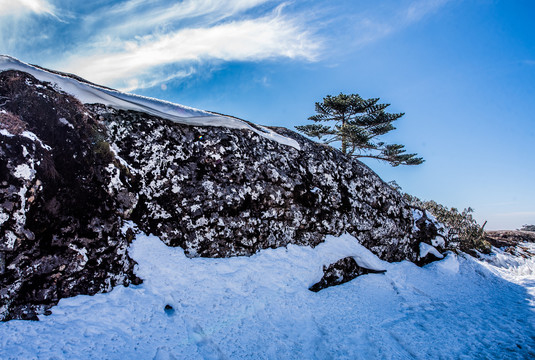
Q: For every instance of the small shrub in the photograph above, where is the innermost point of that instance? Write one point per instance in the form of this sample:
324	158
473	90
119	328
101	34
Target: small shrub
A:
103	151
463	231
101	147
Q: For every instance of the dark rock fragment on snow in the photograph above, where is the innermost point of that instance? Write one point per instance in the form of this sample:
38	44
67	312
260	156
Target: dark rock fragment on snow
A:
340	272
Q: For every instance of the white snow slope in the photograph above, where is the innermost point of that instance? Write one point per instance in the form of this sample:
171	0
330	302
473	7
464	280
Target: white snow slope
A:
90	94
259	307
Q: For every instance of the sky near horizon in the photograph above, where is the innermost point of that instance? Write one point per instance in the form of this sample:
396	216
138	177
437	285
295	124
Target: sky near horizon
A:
462	71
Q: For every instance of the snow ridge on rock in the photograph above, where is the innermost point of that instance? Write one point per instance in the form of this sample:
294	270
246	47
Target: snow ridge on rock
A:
89	93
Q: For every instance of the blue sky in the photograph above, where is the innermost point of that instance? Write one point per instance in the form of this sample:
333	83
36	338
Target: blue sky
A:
463	71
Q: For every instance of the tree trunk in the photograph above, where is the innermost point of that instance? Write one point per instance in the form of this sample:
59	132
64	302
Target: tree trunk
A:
344	143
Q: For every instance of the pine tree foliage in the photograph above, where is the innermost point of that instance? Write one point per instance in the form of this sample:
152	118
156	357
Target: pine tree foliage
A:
356	125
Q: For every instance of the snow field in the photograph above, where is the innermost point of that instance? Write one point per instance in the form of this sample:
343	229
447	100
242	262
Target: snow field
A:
259	307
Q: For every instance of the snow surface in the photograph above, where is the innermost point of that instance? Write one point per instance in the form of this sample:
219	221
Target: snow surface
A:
89	94
259	307
30	135
426	249
66	123
6	133
438	241
520	270
23	171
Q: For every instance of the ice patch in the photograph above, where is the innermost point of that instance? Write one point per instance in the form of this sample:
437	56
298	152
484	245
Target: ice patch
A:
417	214
129	224
9	240
82	256
115	150
438	241
3	217
115	179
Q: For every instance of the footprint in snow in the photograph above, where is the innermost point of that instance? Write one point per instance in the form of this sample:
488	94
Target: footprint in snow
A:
207	349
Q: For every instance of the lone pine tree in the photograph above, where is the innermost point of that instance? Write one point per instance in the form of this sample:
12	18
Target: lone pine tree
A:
357	124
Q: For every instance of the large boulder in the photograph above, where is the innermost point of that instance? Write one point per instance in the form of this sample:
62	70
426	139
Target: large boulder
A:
60	213
71	174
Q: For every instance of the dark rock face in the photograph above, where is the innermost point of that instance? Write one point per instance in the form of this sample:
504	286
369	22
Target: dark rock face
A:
427	228
506	238
60	216
509	241
71	174
220	192
340	272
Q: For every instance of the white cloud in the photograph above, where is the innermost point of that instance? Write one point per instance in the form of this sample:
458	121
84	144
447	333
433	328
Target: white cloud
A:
134	64
155	78
21	23
23	7
138	17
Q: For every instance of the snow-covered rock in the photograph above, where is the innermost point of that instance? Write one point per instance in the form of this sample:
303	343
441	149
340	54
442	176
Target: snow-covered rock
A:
59	227
89	93
220	192
72	173
426	249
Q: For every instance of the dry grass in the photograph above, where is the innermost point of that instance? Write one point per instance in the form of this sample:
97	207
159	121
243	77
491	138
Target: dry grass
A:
11	123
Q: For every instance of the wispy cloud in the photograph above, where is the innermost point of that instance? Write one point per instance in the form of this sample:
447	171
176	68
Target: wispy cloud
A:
139	17
21	23
421	8
141	43
373	27
23	7
144	61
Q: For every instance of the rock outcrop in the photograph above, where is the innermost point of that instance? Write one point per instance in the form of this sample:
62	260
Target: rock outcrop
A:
511	241
220	192
71	174
61	204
